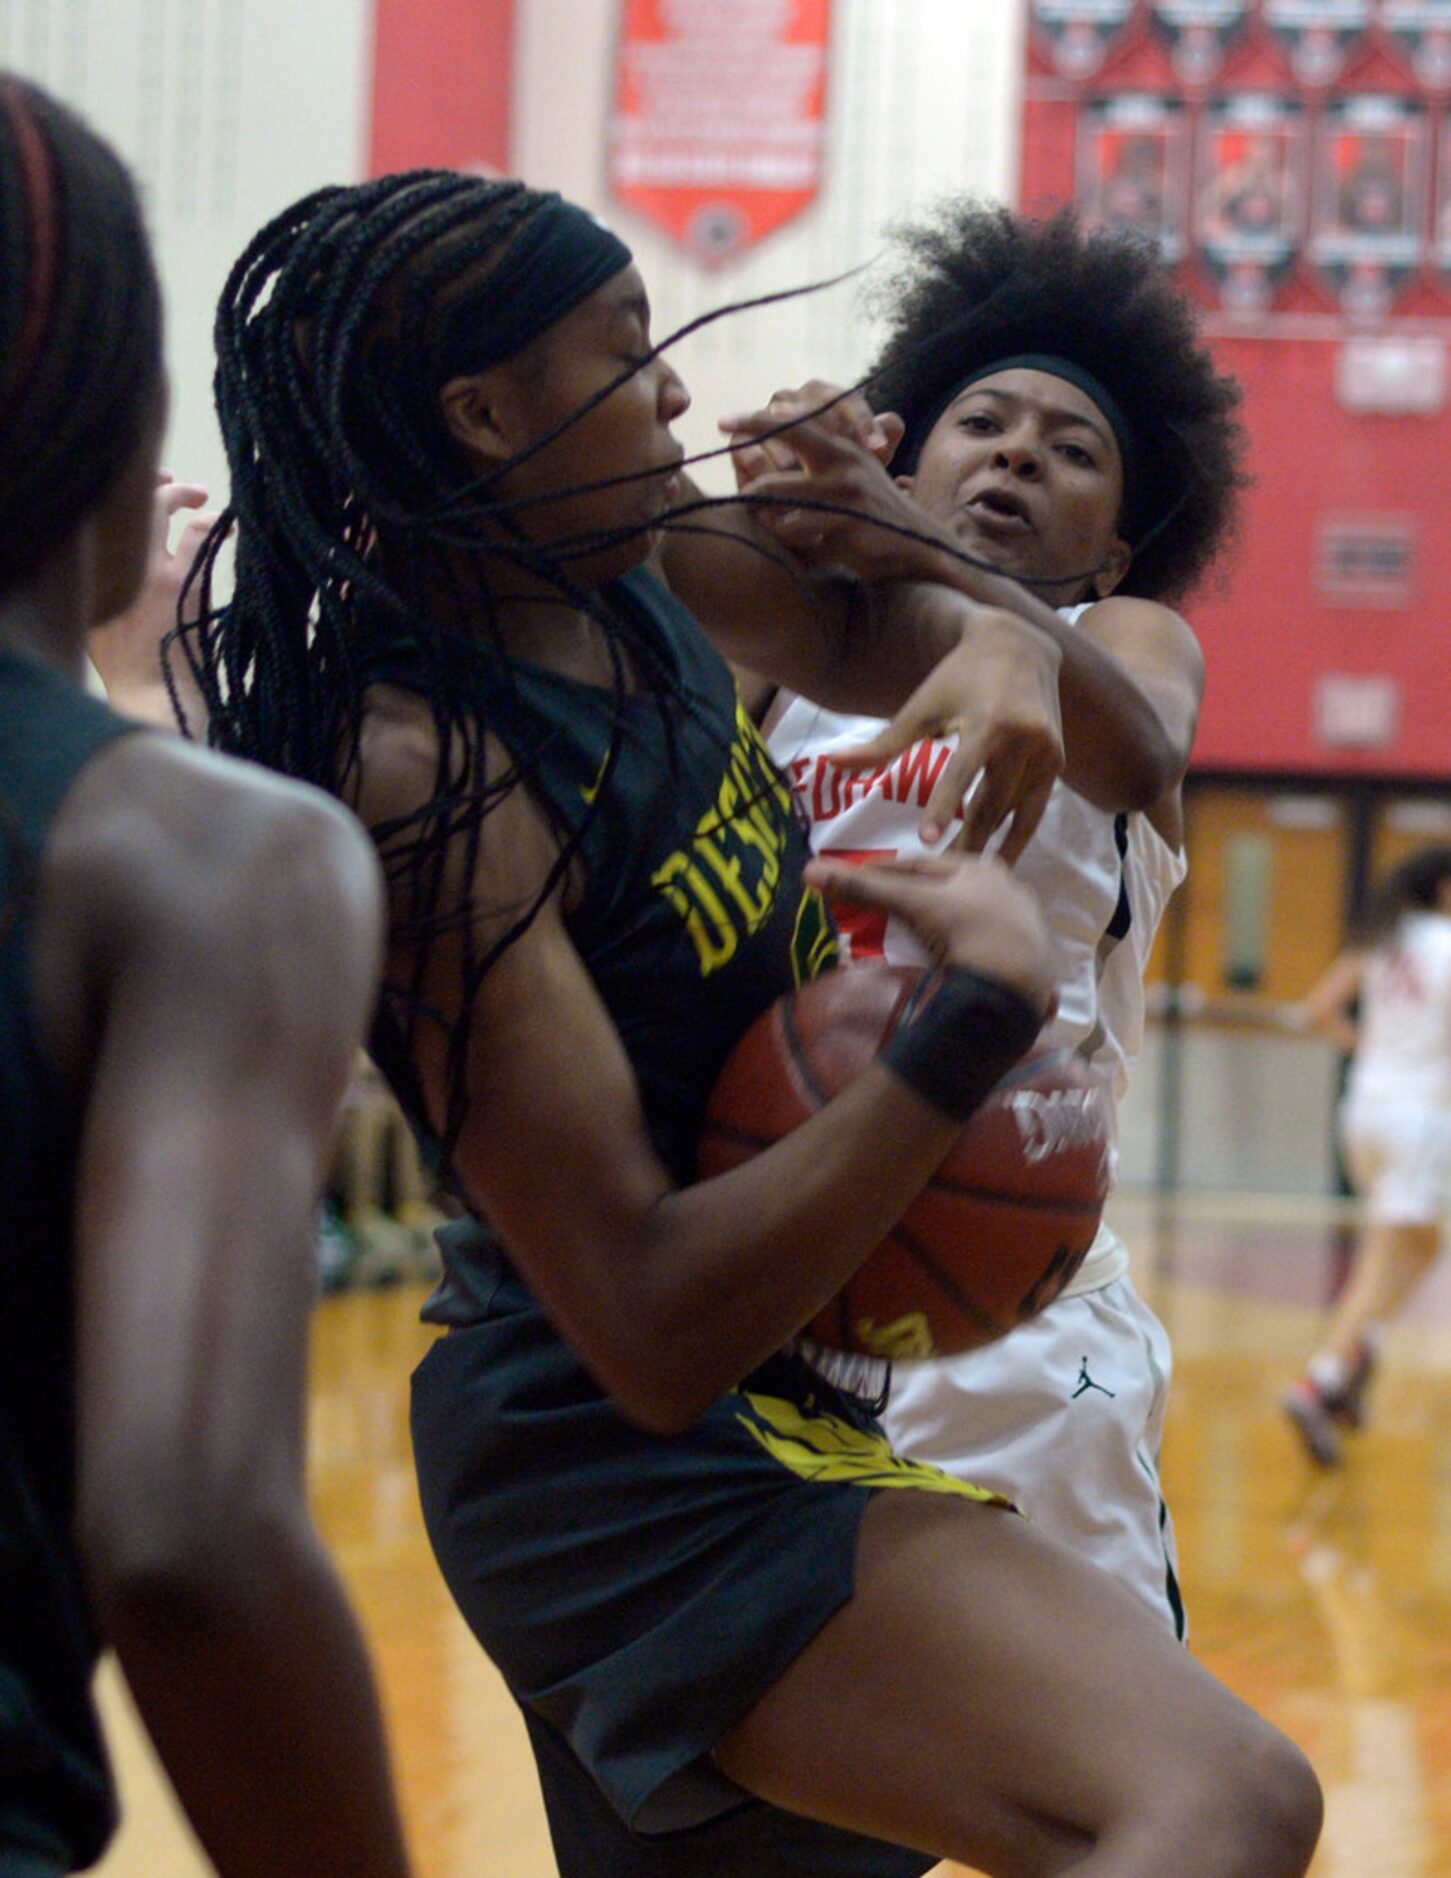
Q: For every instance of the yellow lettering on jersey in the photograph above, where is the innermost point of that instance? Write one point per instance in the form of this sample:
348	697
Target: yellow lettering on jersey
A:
725	884
754	906
905	1339
814	949
697	903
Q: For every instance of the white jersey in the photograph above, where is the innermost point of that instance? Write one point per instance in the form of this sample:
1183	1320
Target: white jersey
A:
1103	881
1066	1414
1403	1050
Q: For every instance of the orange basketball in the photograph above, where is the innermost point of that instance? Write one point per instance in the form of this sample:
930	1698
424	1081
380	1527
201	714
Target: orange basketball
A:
1001	1226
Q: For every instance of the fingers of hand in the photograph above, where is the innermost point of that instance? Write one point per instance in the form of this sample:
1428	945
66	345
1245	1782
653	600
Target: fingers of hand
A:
900	886
173	496
1024	824
821	448
888	431
194	531
189	545
846	411
890	741
170	498
957	792
781	412
752	460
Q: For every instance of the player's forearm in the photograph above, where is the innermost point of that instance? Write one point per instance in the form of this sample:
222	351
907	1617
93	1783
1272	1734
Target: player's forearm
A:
671	1295
762	610
748	1257
253	1681
1119	752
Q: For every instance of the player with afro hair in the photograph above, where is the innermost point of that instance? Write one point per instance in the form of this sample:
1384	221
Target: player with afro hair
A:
1056	420
975	283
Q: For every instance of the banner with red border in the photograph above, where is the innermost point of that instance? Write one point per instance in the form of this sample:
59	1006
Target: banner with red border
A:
718	119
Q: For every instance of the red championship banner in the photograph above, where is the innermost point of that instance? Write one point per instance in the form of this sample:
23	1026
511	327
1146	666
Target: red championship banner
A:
1079	34
1132	166
1320	36
717	128
1251	191
442	79
1370	199
1421	32
1199	34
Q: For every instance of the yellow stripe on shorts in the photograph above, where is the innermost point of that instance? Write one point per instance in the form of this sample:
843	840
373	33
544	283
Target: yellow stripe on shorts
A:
816	1445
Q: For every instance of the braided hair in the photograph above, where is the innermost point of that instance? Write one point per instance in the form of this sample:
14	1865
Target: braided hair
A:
80	325
975	283
364	530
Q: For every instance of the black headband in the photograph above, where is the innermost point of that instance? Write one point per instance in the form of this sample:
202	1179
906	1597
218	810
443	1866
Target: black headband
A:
558	258
1055	366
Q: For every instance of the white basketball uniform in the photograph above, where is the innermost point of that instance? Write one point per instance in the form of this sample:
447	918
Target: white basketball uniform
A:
1066	1414
1395	1118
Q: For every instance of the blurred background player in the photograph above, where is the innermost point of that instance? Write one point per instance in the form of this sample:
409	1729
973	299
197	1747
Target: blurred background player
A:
1387	1001
1059	421
187	959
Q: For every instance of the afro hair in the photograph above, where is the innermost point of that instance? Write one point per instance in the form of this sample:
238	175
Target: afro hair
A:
974	282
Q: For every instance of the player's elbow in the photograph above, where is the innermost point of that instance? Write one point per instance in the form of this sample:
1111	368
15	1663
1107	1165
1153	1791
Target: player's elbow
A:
661	1397
1149	779
1130	779
173	1553
656	1374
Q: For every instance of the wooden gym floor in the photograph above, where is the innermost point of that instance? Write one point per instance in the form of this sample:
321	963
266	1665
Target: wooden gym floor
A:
1325	1600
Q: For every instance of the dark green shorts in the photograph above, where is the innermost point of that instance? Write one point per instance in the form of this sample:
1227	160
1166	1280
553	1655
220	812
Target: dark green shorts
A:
19	1862
641	1593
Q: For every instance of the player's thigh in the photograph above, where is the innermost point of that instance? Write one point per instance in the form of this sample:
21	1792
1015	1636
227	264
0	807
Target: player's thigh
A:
1065	1417
1086	1378
983	1682
1399	1158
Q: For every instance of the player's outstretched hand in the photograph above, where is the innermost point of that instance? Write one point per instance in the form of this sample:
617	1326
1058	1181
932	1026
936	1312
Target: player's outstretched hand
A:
126	649
996	691
967	910
763	438
835	505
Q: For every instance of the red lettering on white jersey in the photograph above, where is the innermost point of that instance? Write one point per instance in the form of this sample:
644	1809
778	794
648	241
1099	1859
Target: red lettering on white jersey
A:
862	928
919	767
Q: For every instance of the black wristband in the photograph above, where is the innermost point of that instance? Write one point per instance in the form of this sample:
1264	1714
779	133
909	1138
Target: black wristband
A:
959	1037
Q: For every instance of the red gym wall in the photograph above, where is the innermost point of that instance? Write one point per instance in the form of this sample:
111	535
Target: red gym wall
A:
1332	309
442	79
1327	653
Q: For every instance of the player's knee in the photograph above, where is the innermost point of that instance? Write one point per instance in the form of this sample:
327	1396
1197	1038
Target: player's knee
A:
1269	1812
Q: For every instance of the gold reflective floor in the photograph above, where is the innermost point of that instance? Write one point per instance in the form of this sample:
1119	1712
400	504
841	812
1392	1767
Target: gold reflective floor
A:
1324	1600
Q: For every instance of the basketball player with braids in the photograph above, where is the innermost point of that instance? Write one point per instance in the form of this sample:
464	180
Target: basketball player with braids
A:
746	1637
187	957
1059	421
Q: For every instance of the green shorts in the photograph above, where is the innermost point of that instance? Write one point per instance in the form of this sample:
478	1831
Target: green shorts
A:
641	1593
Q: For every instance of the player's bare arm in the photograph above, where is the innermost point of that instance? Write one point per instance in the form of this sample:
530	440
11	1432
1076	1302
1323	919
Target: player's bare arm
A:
858	648
127	650
227	933
1329	1004
670	1295
1131	681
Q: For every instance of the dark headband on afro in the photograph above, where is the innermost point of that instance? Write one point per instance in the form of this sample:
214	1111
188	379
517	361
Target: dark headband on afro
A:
923	422
974	285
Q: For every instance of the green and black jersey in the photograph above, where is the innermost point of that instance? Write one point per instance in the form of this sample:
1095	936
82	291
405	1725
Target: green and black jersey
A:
55	1792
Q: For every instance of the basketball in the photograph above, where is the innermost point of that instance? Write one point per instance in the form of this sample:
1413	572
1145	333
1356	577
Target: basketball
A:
1002	1225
